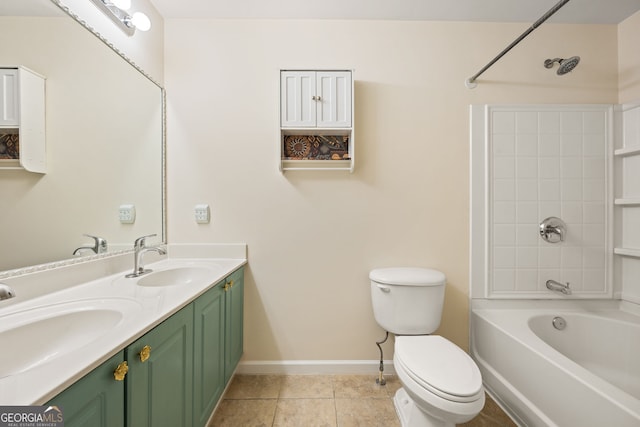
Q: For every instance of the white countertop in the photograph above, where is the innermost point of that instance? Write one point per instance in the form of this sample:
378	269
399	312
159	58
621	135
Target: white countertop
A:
142	307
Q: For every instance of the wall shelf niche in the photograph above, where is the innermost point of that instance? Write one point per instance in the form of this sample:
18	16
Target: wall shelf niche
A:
627	151
635	253
628	202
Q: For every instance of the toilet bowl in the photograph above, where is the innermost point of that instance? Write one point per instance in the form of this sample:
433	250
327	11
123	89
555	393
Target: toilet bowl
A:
441	384
438	378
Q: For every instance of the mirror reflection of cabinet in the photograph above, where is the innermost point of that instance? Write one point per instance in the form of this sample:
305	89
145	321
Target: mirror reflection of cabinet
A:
104	142
22	120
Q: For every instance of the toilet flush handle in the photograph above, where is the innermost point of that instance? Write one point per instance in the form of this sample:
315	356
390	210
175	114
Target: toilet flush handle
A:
384	289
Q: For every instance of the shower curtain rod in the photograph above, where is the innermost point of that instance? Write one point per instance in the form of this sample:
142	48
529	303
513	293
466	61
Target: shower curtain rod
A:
471	81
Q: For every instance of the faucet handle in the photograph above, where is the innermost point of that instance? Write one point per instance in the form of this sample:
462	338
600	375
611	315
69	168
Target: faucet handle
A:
553	229
140	241
100	243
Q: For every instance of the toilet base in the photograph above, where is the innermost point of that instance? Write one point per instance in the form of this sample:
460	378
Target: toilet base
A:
411	416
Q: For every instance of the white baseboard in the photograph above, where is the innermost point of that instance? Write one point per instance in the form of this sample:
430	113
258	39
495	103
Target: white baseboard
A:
313	367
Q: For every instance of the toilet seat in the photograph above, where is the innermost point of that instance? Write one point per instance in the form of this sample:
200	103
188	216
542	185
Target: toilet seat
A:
439	366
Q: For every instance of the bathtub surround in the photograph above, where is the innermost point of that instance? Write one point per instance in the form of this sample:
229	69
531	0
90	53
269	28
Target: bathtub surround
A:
541	162
529	163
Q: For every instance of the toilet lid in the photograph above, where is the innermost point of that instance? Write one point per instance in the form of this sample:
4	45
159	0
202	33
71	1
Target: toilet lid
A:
440	366
408	276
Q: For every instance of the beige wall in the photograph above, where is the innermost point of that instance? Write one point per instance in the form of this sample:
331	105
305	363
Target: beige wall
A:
629	59
314	236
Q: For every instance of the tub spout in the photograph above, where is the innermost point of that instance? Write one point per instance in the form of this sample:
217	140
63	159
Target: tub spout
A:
552	285
6	292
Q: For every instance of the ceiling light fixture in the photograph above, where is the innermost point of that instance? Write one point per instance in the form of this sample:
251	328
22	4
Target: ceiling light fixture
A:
116	11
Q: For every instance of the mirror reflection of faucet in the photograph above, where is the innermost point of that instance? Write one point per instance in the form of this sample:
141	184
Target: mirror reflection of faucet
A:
553	229
99	245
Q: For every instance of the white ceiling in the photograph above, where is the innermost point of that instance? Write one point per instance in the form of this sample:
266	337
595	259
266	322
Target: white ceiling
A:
576	11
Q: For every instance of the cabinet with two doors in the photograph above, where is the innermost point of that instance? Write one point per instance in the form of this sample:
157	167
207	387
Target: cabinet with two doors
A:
316	120
173	375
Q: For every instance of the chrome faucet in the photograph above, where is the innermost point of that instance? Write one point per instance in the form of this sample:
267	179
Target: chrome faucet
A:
553	229
140	248
99	245
6	292
552	285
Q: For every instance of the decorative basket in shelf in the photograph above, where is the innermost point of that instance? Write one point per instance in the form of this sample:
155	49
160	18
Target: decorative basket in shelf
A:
316	147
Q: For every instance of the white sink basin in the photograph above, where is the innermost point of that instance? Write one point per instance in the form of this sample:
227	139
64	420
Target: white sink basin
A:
38	335
177	276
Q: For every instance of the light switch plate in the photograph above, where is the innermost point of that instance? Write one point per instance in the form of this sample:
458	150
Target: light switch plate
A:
127	214
203	215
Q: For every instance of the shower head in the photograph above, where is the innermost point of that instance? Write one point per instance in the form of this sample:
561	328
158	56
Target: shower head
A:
566	65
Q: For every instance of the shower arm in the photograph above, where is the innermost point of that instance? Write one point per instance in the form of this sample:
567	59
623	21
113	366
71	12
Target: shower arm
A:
471	81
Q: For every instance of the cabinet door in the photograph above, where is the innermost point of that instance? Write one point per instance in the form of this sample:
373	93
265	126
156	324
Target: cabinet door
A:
298	99
9	106
208	369
234	307
333	90
160	389
96	400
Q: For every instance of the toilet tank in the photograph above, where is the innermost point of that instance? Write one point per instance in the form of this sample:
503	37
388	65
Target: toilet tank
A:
408	300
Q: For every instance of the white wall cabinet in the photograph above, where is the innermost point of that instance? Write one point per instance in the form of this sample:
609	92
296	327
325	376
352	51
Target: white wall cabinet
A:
316	99
22	117
316	119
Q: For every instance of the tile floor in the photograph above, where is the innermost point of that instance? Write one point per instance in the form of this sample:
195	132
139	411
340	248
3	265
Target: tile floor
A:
321	401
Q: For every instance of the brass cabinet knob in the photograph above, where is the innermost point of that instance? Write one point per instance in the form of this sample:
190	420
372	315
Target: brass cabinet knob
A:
145	353
228	285
121	371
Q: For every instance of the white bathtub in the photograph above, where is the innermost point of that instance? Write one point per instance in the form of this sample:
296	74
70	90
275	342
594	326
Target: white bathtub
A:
587	375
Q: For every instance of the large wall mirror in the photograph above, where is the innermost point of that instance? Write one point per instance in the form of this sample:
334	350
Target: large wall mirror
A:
104	136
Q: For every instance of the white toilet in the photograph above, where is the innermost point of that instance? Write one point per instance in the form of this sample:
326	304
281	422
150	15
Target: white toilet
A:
442	385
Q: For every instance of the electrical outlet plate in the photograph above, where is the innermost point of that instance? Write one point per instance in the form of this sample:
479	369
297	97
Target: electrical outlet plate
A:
202	213
127	214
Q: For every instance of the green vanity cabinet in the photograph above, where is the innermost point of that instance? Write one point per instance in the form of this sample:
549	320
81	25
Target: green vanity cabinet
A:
209	348
234	304
175	374
96	400
160	378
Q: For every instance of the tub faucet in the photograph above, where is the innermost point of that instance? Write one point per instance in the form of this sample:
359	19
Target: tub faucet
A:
140	248
552	285
6	292
99	245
